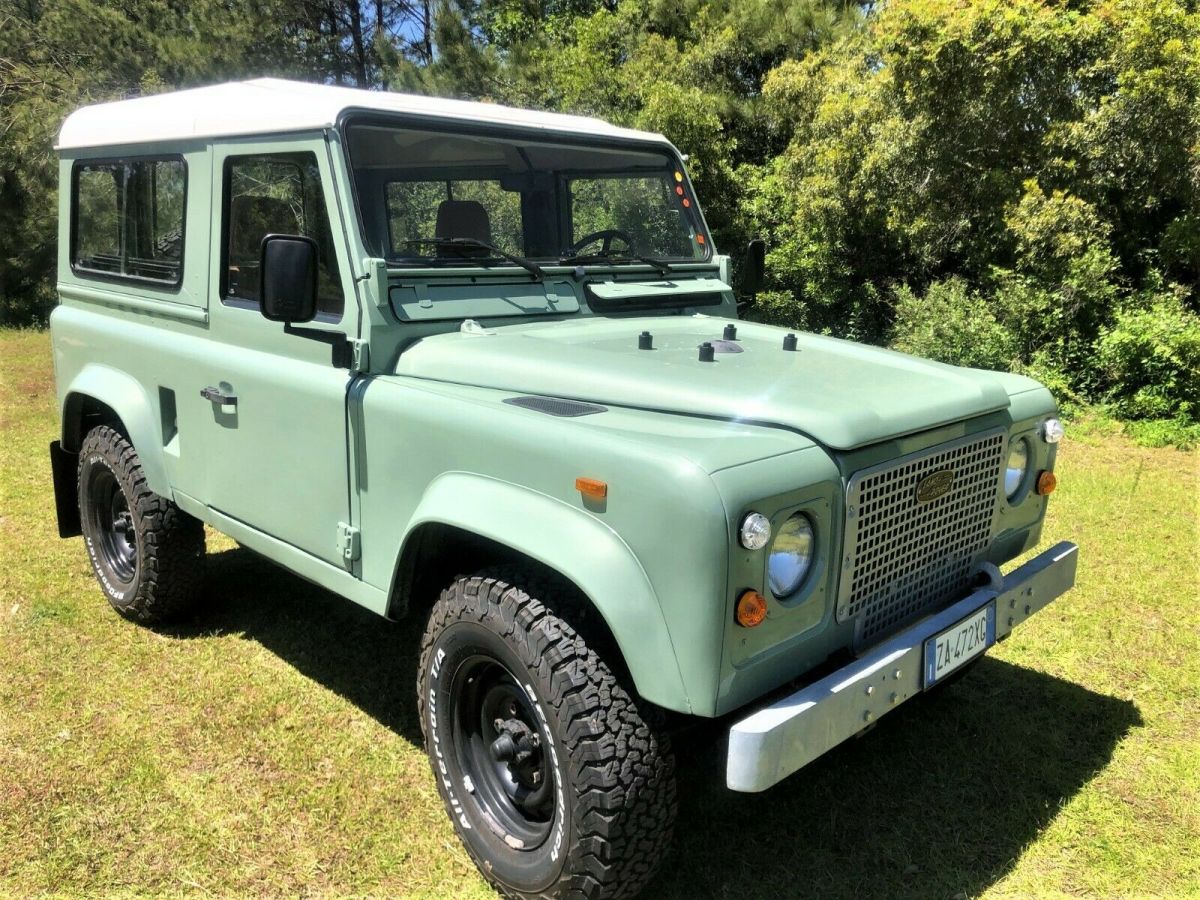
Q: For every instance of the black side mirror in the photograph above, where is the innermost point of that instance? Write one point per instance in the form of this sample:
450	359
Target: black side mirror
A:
754	267
288	268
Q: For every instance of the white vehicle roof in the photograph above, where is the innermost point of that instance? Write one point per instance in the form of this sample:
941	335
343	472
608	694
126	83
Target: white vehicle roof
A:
273	105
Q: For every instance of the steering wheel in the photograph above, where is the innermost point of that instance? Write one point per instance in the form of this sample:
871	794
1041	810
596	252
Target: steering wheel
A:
605	236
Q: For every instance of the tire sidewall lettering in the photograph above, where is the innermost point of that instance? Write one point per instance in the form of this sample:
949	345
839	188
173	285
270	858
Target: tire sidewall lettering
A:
560	799
442	770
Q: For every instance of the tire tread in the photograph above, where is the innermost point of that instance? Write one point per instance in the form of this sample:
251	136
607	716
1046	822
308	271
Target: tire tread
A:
620	763
171	556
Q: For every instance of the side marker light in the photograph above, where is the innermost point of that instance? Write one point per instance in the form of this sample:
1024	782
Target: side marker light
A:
592	487
751	609
1046	483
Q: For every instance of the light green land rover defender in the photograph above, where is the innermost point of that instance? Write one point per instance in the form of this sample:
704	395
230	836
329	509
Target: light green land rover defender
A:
483	366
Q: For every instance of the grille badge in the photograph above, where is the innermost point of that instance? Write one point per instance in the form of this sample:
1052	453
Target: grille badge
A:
934	485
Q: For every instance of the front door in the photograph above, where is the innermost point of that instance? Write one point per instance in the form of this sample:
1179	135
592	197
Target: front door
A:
276	455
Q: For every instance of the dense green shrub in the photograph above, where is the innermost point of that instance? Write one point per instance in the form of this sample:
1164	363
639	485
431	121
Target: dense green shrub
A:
1150	360
951	323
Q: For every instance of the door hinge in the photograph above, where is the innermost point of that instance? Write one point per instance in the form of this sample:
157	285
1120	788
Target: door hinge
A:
360	356
349	543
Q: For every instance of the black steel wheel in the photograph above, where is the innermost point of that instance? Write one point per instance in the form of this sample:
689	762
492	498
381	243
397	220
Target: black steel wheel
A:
112	523
148	555
556	781
501	746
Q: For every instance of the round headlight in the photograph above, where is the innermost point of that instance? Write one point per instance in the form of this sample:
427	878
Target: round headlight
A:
791	556
755	531
1018	467
1052	431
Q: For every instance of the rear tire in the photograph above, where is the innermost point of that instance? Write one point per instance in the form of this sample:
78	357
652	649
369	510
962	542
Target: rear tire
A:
556	781
148	555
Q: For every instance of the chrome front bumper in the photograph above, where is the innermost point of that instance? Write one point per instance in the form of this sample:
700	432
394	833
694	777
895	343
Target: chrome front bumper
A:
769	745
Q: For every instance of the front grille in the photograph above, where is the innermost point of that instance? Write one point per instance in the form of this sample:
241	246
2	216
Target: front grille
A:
906	555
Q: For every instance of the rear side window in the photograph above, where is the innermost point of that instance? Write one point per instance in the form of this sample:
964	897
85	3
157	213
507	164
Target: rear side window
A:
128	217
276	194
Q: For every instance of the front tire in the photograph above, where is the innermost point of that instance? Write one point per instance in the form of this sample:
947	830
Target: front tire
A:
148	555
555	779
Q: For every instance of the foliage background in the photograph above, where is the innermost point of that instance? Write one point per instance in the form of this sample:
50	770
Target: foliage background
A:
1000	183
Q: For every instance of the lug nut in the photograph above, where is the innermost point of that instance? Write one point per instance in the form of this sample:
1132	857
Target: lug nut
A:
730	332
503	748
645	341
789	342
706	352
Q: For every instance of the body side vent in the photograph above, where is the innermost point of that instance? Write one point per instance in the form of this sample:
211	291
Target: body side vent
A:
552	406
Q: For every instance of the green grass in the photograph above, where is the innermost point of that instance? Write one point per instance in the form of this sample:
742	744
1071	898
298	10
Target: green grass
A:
270	747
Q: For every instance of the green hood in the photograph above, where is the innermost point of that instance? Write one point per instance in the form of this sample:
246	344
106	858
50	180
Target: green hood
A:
842	394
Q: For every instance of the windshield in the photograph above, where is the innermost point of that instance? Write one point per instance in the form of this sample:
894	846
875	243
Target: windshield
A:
443	199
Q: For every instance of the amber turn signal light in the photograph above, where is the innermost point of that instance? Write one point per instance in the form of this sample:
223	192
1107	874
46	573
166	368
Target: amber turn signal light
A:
1046	483
751	609
592	487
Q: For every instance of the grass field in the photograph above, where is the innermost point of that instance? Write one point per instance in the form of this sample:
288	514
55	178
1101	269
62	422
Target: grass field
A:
270	746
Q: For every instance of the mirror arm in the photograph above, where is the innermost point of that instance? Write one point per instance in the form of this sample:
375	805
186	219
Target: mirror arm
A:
341	349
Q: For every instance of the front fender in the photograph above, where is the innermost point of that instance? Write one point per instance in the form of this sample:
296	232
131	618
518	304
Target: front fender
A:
124	396
578	547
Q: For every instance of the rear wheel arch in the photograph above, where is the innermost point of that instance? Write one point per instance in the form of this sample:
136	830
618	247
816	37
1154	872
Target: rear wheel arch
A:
101	395
82	413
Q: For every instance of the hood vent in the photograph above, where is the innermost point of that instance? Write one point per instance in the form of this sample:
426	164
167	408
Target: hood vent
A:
552	406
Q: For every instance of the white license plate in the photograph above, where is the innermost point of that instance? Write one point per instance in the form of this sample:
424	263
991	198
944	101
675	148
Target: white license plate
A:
960	643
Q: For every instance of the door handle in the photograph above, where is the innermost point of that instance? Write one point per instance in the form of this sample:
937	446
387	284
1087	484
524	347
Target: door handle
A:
216	395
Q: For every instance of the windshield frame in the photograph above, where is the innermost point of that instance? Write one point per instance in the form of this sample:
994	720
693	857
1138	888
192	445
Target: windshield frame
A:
498	265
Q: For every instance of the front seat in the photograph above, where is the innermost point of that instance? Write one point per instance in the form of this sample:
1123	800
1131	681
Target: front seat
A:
463	219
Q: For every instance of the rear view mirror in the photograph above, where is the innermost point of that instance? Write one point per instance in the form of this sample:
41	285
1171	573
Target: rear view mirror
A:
288	268
527	182
754	267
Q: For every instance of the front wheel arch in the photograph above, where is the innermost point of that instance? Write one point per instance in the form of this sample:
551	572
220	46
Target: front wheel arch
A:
500	517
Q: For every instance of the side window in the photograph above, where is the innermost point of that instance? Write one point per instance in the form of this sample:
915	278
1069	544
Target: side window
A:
276	194
129	219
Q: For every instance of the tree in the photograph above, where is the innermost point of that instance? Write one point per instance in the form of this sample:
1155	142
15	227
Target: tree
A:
56	55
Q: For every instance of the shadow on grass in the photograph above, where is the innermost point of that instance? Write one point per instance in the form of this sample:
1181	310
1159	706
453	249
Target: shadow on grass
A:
938	801
338	644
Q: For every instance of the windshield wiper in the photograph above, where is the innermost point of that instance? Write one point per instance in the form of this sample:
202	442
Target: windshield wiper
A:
661	266
462	243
